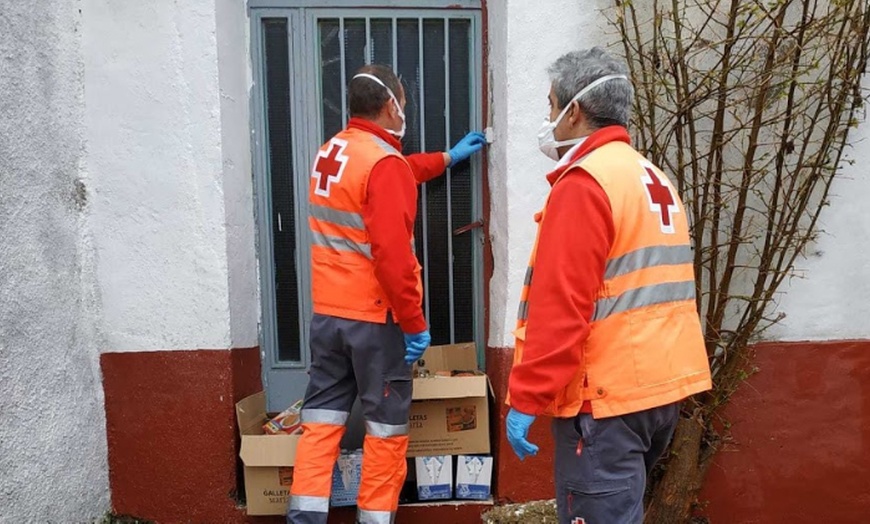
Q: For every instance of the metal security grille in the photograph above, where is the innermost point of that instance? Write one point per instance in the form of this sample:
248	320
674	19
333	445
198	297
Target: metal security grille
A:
303	59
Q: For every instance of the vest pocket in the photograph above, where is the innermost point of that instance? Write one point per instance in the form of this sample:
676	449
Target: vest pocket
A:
664	340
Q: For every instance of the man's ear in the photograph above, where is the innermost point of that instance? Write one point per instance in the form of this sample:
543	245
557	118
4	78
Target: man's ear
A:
389	109
575	115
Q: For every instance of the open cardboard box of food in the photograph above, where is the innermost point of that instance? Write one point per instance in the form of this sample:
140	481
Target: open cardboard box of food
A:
268	459
450	414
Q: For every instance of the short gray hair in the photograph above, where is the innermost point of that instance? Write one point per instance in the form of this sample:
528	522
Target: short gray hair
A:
608	103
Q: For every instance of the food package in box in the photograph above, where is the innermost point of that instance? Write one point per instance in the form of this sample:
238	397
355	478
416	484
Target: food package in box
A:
288	421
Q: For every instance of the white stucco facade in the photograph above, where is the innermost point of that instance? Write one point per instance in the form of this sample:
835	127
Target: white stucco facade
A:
523	43
127	211
825	301
53	464
168	154
828	297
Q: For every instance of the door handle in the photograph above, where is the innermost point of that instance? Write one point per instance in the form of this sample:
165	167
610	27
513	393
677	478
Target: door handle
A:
465	229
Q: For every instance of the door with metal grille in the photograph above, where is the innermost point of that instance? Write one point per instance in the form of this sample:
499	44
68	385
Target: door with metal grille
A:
303	58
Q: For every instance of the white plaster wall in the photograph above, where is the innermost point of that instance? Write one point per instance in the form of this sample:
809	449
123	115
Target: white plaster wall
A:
52	425
525	38
234	75
168	152
829	299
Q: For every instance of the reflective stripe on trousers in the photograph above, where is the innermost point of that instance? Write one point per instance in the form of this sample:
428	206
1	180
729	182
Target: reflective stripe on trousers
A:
376	429
324	416
375	517
309	504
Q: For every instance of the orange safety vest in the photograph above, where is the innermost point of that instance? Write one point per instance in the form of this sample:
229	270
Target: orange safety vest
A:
645	347
342	268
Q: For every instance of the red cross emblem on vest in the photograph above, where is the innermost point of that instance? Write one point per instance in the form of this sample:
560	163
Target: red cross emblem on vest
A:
661	197
329	166
578	520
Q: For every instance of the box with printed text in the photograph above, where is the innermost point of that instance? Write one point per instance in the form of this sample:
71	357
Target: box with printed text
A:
450	414
268	459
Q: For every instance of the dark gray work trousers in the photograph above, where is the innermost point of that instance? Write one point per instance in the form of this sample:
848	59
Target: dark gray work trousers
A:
602	480
350	358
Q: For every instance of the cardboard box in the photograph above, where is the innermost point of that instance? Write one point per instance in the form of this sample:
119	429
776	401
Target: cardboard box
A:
450	415
434	477
268	459
473	477
346	478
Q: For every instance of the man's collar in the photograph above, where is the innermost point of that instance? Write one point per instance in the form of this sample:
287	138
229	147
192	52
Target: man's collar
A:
373	128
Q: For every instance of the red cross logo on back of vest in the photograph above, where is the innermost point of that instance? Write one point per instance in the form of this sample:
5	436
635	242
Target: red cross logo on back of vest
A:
329	166
660	196
578	520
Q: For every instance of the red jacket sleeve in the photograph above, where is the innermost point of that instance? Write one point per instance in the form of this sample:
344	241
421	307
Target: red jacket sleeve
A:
576	237
426	166
389	213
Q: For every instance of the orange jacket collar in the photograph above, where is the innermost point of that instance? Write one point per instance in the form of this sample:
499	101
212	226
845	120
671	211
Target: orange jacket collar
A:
370	127
597	139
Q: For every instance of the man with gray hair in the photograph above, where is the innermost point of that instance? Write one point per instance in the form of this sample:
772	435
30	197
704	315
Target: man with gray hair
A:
608	340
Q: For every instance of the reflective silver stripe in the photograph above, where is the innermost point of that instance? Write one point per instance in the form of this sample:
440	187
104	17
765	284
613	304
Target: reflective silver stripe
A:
644	296
340	244
312	504
523	313
365	516
376	429
384	145
529	272
648	257
336	216
324	416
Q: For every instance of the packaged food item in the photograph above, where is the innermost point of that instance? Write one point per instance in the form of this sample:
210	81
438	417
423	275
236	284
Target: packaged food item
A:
435	477
288	421
346	477
474	477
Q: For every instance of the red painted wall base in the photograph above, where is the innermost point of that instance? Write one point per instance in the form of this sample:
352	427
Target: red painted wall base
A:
800	449
171	430
517	481
801	439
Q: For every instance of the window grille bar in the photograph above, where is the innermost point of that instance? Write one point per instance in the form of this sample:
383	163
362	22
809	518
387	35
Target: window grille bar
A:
395	46
368	50
449	174
343	73
424	206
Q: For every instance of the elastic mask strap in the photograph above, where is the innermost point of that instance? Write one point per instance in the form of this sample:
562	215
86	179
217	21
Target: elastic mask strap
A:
585	90
378	80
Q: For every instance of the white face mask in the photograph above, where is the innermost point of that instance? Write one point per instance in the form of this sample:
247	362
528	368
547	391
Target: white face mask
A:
398	134
546	137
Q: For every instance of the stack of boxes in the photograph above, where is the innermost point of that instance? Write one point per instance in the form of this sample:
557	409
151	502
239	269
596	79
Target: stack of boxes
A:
449	439
450	422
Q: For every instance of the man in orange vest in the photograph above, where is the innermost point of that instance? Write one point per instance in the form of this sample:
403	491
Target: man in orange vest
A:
608	340
368	326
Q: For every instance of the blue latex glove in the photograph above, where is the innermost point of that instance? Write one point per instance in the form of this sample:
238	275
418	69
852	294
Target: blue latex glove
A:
518	425
469	145
415	346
